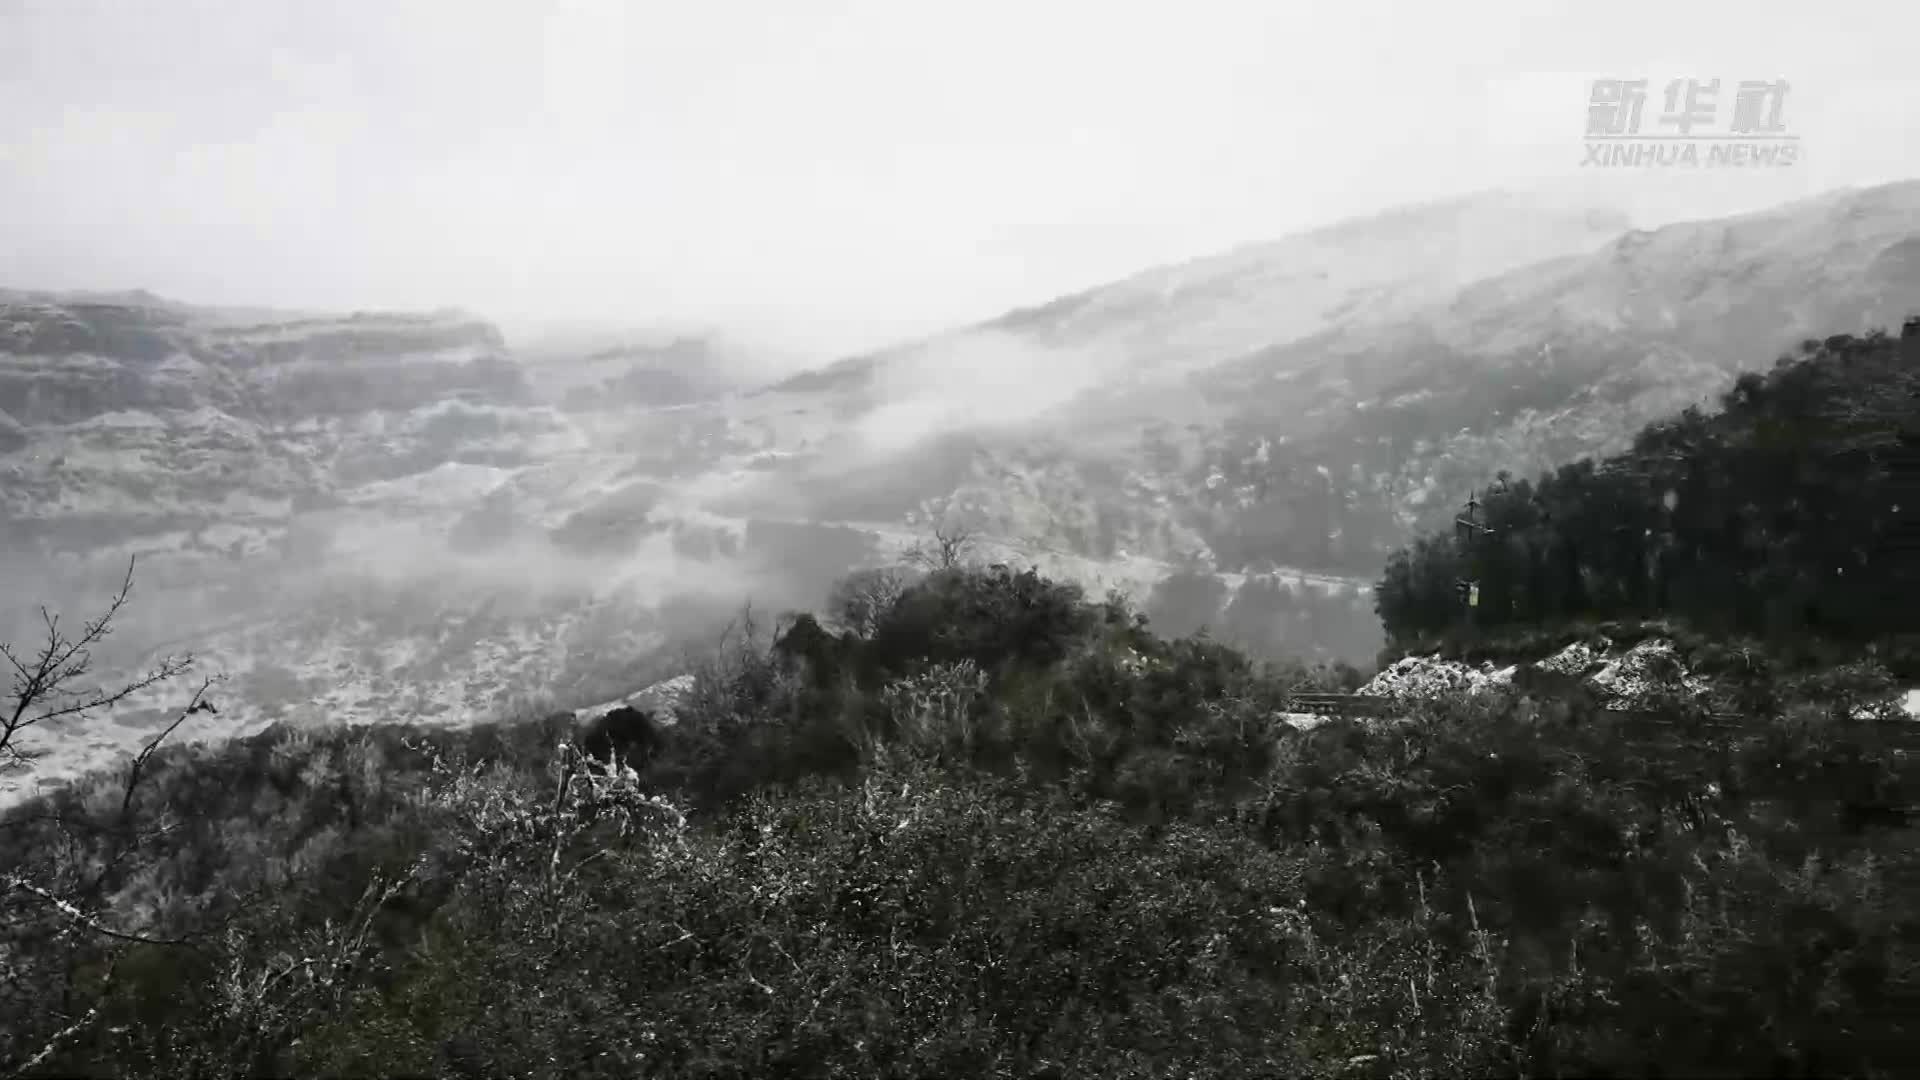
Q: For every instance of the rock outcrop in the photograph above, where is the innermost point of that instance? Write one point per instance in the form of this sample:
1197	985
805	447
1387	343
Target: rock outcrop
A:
125	417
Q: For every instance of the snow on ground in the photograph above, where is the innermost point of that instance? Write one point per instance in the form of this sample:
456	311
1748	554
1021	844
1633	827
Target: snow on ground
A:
459	354
351	671
247	504
122	419
1624	676
449	484
1645	668
1423	675
223	535
662	699
1576	659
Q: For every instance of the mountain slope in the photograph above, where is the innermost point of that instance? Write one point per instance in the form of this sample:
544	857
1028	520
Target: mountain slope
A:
1304	406
1536	367
1781	514
1173	319
1017	419
1323	451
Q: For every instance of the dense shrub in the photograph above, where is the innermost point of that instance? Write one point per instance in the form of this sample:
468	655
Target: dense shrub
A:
1001	832
996	618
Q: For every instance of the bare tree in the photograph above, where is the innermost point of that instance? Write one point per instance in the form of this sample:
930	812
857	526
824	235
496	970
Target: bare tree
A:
51	683
951	545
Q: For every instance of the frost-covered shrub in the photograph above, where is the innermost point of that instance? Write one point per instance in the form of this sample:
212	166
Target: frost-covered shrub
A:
936	705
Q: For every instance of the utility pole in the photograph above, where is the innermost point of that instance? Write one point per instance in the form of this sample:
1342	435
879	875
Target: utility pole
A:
1468	531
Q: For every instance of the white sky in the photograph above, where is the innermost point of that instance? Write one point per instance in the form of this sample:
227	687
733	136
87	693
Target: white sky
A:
836	175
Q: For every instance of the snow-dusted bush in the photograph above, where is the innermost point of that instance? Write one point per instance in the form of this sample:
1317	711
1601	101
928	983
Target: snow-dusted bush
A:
937	704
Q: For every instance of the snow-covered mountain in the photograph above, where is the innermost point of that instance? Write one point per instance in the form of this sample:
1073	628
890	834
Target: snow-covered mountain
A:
308	496
1047	423
1305	403
1172	320
373	515
1532	368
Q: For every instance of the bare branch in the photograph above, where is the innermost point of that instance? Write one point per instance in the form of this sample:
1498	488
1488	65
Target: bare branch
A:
146	752
44	689
80	917
41	690
13	659
66	1033
169	668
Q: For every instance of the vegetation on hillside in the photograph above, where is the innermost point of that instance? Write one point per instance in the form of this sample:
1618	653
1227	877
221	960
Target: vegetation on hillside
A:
1780	516
976	824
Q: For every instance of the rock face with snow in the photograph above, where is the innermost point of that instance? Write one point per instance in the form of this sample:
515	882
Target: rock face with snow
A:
76	357
129	416
287	481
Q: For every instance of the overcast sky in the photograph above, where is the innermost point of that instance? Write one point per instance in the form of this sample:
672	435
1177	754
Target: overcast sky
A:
837	173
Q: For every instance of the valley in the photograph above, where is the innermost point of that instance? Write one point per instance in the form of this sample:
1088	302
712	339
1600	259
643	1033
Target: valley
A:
362	516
